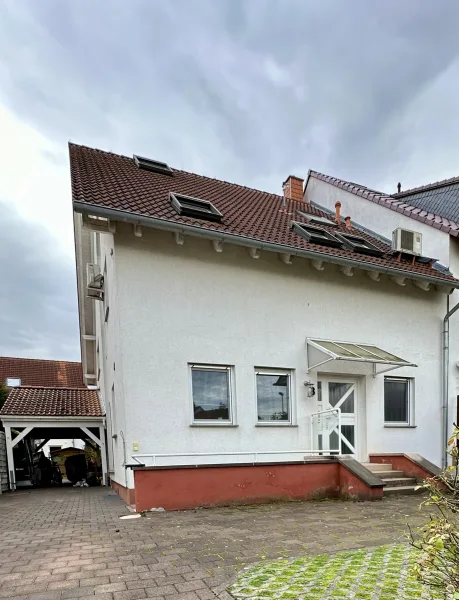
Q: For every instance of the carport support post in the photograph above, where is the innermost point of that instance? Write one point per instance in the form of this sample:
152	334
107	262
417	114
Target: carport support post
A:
9	455
103	455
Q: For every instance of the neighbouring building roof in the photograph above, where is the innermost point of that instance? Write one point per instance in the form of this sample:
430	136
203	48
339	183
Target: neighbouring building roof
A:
427	204
46	373
110	181
52	402
441	197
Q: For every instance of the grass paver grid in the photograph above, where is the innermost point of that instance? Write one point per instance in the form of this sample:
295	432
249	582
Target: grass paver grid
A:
382	573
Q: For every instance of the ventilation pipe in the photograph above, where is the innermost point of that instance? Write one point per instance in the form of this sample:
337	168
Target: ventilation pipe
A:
445	385
338	212
348	222
399	187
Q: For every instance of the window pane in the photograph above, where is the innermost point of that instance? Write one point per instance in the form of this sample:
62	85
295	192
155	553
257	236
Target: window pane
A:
273	397
396	401
348	432
210	394
335	393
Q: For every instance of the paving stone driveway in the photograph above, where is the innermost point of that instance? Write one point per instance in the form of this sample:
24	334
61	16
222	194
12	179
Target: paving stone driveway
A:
70	543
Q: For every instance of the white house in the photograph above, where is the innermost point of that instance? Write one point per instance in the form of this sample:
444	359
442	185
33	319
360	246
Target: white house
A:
432	211
241	339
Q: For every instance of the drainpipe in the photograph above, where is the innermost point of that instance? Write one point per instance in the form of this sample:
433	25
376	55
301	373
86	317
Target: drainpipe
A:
445	386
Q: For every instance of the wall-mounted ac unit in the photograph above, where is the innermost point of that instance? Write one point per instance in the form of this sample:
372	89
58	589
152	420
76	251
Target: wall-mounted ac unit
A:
94	282
404	240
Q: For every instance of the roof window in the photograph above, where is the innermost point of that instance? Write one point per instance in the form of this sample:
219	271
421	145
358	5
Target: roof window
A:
359	244
13	382
156	166
317	219
316	235
195	207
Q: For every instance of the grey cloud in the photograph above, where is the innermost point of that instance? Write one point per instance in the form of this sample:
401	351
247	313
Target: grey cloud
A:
242	90
38	312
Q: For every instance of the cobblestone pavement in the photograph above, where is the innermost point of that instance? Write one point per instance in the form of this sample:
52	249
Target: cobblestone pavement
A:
70	543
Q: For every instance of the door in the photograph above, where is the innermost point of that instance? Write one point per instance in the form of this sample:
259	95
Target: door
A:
334	393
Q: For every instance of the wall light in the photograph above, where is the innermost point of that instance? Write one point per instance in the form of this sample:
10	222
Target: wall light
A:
310	389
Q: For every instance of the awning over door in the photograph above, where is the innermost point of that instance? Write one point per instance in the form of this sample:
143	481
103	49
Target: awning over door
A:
350	351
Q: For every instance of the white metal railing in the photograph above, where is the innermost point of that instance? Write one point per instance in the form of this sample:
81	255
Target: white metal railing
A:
323	423
254	455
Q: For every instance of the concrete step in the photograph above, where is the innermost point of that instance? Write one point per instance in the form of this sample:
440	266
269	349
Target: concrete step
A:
389	474
375	467
400	481
402	490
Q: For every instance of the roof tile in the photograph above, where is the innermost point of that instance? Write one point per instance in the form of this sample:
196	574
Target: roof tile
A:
47	373
112	181
52	402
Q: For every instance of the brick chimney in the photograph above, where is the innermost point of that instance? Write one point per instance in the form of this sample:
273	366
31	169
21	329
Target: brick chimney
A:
293	188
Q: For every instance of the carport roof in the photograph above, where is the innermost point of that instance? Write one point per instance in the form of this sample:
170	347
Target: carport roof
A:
52	402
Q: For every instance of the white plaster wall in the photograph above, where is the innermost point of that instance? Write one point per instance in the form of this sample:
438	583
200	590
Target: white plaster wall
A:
454	338
109	359
380	219
181	304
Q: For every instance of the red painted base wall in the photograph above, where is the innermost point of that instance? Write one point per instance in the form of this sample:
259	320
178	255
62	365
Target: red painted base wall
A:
127	494
400	462
178	489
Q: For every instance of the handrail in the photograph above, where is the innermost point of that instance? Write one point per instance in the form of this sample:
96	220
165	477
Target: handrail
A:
323	412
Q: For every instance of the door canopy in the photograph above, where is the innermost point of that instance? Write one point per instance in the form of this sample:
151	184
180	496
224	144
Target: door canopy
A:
328	350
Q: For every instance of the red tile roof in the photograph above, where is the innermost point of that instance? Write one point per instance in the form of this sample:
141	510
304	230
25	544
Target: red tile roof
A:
47	373
395	202
110	181
52	402
427	187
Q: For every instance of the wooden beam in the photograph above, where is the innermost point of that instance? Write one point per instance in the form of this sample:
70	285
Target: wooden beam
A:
399	280
217	245
254	252
423	285
179	238
137	229
91	435
286	258
112	226
40	446
318	264
10	458
103	456
21	436
346	270
374	275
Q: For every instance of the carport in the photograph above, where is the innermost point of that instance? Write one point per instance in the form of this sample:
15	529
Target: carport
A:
49	413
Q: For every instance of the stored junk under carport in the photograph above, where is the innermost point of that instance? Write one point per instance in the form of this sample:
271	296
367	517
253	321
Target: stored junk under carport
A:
44	413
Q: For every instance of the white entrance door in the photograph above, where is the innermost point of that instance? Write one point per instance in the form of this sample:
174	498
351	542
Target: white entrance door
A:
332	393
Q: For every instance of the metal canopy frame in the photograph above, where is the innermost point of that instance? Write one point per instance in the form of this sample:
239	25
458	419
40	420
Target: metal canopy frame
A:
315	343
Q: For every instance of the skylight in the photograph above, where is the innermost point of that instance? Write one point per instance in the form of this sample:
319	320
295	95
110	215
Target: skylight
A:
316	219
147	164
188	206
316	235
359	244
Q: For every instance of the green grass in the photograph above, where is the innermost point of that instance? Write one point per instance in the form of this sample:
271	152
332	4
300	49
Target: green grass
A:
382	573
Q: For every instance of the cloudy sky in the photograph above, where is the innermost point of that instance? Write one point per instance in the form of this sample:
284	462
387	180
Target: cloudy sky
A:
242	90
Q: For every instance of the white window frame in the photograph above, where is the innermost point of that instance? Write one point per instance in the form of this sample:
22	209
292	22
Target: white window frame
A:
231	422
410	407
291	387
13	382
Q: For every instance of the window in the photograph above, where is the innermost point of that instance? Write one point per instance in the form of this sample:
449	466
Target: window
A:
13	382
195	207
211	388
273	396
397	400
316	235
317	219
359	244
156	166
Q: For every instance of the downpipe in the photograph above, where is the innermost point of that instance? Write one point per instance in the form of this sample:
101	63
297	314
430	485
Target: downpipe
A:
445	384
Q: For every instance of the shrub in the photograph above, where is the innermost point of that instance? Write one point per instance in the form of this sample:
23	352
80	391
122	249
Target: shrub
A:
438	543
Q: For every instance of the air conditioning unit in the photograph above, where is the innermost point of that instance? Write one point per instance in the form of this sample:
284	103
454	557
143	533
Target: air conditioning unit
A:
94	282
404	240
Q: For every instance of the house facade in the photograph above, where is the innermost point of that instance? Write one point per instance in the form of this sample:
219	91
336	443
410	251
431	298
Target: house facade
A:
237	335
430	210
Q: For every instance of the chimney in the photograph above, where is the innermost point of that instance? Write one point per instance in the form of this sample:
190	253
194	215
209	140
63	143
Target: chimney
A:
338	212
293	188
348	222
399	187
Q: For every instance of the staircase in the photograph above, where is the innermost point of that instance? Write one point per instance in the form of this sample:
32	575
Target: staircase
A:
397	483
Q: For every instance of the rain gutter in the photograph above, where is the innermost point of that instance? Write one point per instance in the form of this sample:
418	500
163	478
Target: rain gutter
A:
240	240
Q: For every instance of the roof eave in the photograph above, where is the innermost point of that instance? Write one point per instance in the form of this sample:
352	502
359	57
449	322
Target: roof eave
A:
154	223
